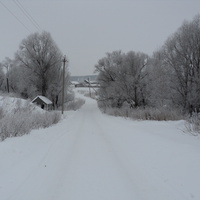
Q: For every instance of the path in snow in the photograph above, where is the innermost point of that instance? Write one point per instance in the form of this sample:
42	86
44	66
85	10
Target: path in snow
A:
91	156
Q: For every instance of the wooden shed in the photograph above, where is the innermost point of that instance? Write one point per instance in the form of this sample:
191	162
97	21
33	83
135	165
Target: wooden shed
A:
43	102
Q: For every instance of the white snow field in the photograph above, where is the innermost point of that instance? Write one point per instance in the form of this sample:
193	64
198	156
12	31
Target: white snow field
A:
92	156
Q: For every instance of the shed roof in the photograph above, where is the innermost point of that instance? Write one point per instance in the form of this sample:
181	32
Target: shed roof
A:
44	99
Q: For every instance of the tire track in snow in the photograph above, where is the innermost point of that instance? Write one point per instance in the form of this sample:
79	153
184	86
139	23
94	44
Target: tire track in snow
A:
137	176
120	160
95	171
61	150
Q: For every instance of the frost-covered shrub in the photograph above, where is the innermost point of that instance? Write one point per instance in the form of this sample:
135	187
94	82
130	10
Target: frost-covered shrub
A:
193	124
55	116
88	93
22	120
1	113
75	104
15	123
145	113
83	91
159	114
5	94
49	118
91	94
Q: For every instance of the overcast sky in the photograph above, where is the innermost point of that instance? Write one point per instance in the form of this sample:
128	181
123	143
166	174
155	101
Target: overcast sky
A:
85	30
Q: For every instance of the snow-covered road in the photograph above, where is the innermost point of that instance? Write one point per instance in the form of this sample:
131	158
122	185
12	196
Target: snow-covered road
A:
91	156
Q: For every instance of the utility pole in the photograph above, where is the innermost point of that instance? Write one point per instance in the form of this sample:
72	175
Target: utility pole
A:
7	84
63	87
7	74
89	87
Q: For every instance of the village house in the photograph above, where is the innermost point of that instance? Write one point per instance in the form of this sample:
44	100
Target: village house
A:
43	102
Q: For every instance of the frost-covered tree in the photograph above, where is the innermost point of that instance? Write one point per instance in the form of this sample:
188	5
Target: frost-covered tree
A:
2	77
20	81
109	69
6	66
121	77
134	73
182	56
40	62
40	55
159	82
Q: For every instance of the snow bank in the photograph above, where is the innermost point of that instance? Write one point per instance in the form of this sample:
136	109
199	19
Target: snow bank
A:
19	117
10	103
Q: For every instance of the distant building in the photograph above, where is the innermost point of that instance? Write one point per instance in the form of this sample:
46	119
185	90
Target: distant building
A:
84	81
43	102
82	84
74	83
82	78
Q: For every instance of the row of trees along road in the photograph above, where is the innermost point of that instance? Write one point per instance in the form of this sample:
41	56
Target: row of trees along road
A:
36	69
171	77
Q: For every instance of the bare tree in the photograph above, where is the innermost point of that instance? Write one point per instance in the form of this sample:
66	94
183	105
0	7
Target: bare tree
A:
2	77
182	55
159	82
121	77
7	65
135	72
41	56
108	69
41	60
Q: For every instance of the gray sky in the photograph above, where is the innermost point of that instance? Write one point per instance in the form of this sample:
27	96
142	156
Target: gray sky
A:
85	30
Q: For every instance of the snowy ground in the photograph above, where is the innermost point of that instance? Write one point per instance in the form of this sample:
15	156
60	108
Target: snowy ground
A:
91	156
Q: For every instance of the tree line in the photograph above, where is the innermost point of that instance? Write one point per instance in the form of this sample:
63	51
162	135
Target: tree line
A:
169	78
35	70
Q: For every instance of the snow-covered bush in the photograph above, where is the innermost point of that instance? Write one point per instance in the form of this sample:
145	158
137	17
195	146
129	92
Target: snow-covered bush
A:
160	114
11	94
91	94
22	120
88	92
1	113
75	104
192	124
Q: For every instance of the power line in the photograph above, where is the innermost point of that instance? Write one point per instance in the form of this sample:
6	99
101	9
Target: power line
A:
15	17
25	12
